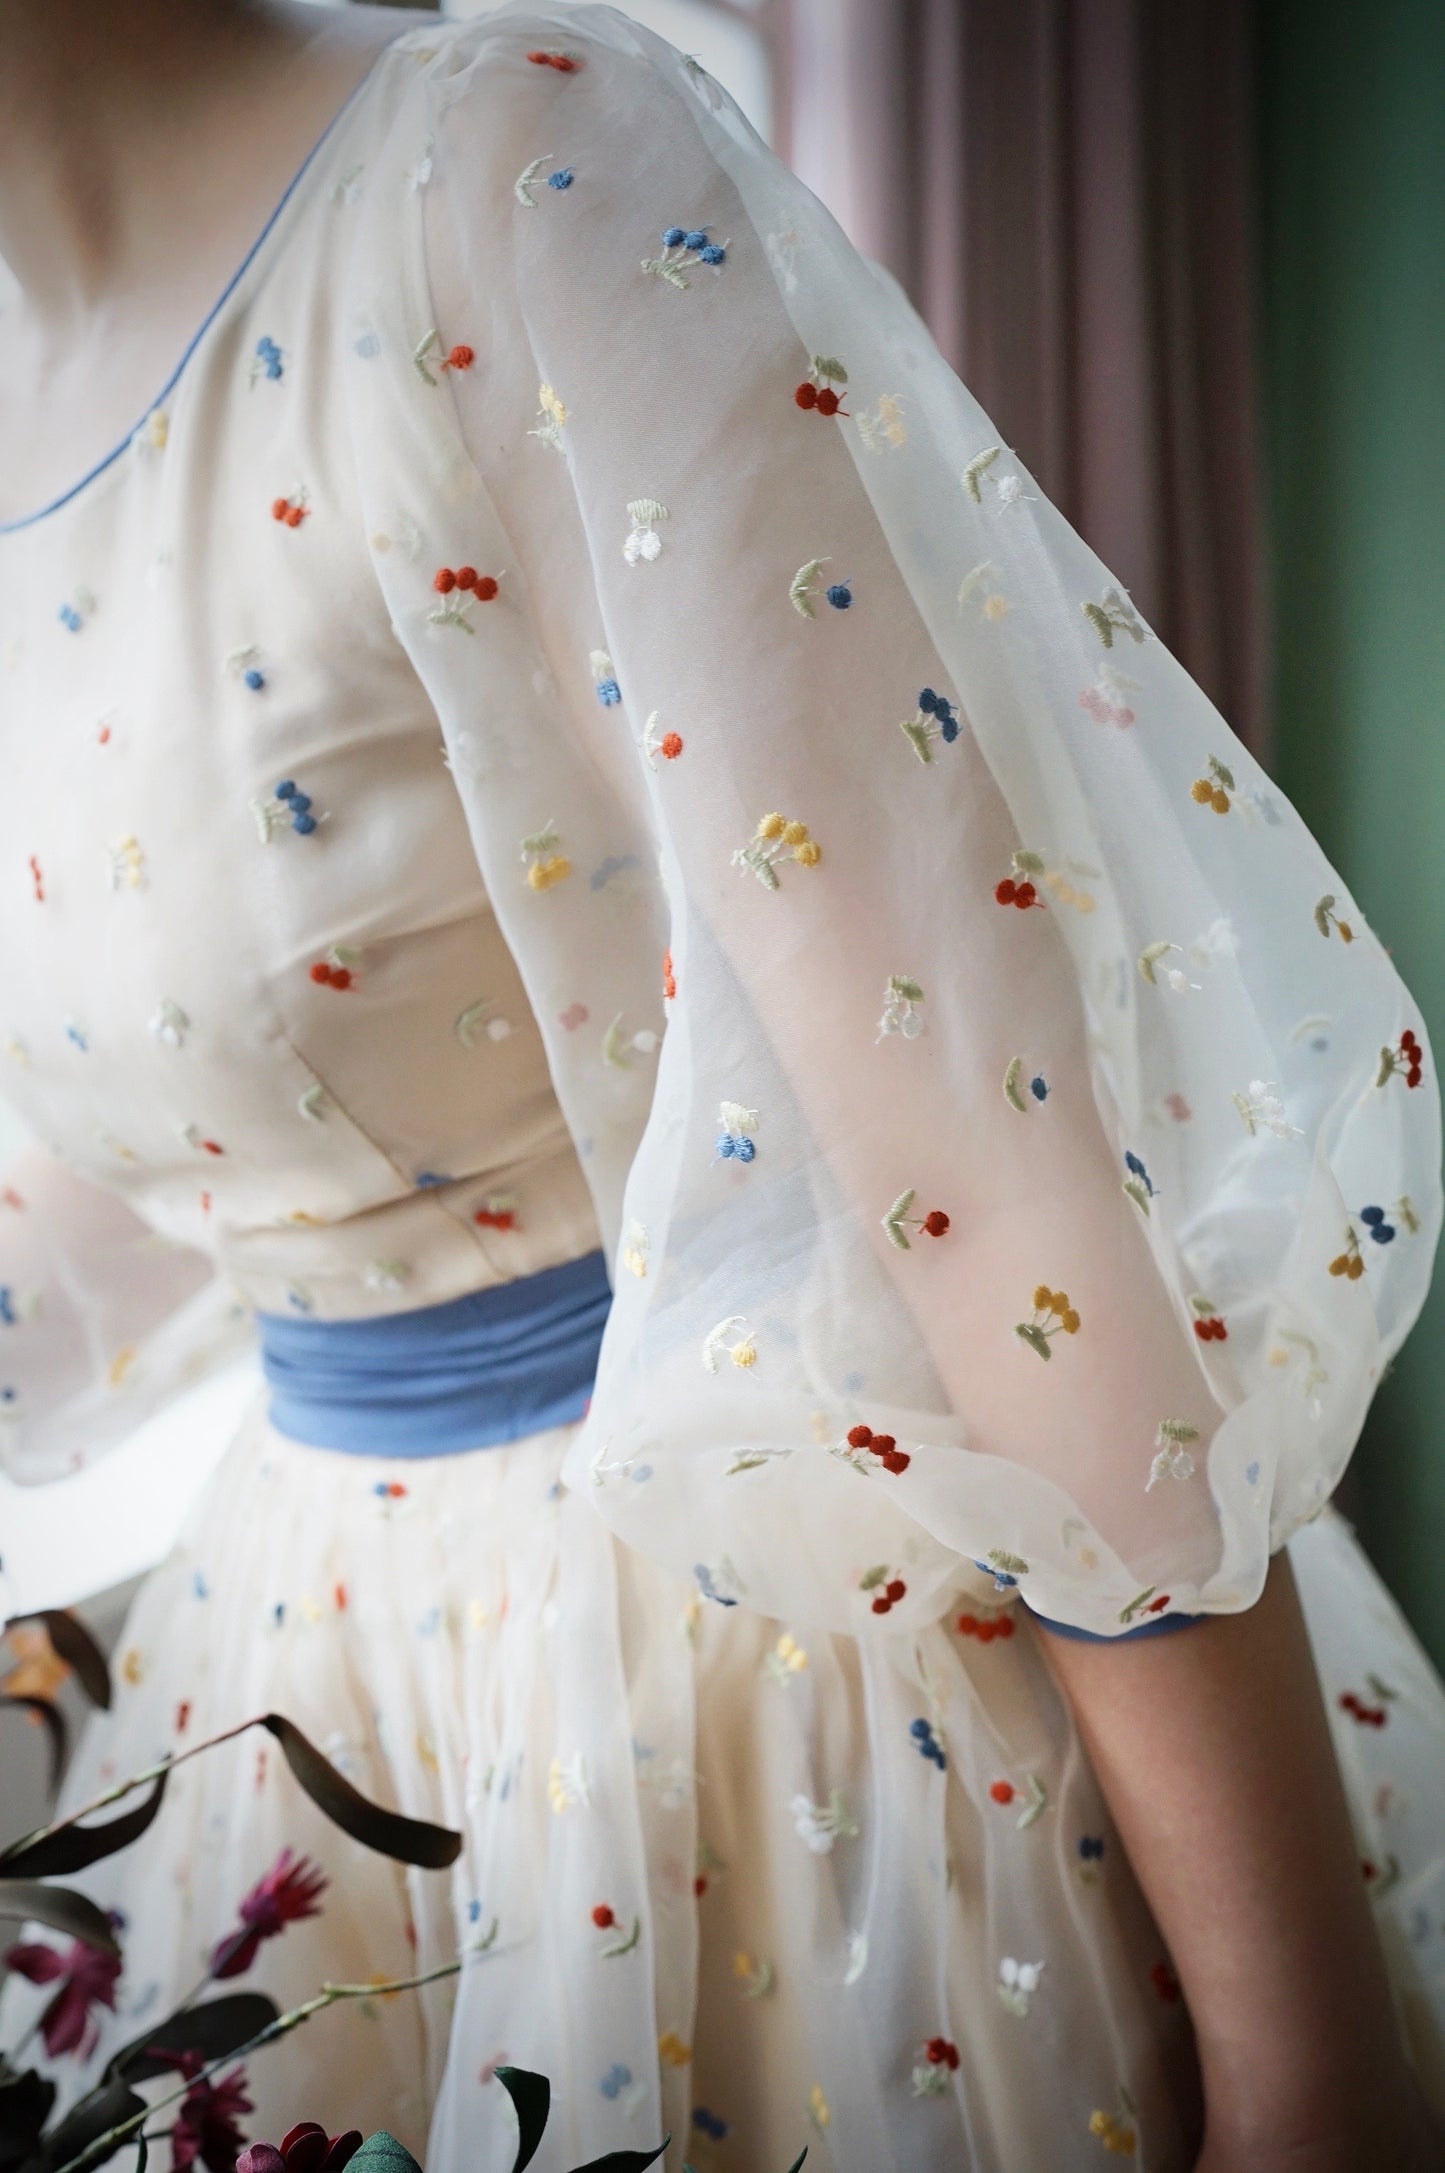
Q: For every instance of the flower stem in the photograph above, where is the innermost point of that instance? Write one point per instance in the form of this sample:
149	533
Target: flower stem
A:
127	1787
96	2152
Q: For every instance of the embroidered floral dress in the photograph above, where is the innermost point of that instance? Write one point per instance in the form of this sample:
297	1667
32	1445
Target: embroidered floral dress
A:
565	726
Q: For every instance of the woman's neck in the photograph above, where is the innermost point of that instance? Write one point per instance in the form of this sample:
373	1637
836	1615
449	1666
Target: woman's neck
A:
127	131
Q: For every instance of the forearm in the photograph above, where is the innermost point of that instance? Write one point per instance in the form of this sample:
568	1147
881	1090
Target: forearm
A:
1213	1751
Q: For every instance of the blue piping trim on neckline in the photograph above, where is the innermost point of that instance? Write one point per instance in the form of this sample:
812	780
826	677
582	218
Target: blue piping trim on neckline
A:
107	460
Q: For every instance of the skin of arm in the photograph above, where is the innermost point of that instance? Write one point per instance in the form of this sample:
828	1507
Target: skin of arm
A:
1212	1748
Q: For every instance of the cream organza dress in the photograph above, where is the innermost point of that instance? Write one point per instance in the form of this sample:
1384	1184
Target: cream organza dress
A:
786	837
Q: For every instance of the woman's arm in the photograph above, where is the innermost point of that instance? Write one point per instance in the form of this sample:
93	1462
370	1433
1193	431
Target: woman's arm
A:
1212	1748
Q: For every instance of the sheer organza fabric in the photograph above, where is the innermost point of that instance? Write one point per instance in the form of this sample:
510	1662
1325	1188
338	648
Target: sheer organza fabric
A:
702	711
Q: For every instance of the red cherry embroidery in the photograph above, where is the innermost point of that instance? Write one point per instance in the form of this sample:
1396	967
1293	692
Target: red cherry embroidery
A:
883	1446
1002	1791
603	1917
460	357
941	2052
496	1218
1009	892
328	976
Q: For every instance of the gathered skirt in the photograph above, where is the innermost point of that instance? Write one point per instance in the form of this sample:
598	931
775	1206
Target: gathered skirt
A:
722	1878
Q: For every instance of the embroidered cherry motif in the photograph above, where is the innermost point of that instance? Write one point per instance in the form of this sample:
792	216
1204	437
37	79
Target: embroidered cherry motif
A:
1368	1716
1405	1058
1023	894
564	63
816	392
888	1598
985	1631
604	1917
329	976
1002	1791
496	1218
883	1446
460	357
482	585
941	2052
1211	1329
289	510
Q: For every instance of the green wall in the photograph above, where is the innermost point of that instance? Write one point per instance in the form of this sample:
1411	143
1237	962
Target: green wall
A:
1352	297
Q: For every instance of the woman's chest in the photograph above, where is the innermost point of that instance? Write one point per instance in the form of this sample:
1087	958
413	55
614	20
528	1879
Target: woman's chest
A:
234	869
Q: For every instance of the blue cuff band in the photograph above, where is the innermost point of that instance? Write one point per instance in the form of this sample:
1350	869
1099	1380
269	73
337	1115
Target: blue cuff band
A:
1156	1626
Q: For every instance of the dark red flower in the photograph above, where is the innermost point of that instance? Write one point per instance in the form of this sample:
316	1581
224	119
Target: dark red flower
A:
290	1890
306	2148
86	1978
206	2125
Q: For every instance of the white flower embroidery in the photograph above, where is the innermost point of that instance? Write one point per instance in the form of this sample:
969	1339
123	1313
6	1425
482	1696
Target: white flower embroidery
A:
643	541
821	1824
1017	1983
169	1023
1173	1460
901	1015
1261	1109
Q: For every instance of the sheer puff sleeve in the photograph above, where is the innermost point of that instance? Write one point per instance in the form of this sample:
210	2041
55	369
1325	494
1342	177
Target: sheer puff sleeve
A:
1020	1156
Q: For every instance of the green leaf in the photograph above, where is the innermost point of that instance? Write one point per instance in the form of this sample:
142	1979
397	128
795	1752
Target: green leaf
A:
531	2097
212	2029
625	2161
74	1645
78	2139
381	2153
408	1840
26	1901
26	2102
71	1848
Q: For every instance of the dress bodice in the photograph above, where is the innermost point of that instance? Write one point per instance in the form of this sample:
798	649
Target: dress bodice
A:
252	978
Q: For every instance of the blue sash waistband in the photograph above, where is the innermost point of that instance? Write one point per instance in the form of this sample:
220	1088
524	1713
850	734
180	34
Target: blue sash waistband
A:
473	1372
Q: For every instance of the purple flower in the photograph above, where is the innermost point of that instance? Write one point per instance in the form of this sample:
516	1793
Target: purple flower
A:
206	2125
290	1890
306	2148
86	1978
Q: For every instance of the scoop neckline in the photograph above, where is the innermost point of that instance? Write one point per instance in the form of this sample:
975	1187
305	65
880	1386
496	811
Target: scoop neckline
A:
122	445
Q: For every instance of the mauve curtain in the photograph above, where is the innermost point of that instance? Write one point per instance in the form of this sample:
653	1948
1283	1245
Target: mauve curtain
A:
1065	188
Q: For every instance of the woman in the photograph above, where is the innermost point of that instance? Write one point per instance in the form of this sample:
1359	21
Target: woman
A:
1038	1166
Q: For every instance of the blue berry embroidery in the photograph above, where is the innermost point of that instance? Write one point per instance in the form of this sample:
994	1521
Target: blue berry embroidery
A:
266	361
735	1142
1374	1220
528	180
604	678
288	804
1137	1184
709	2123
615	2080
928	1743
935	718
684	245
